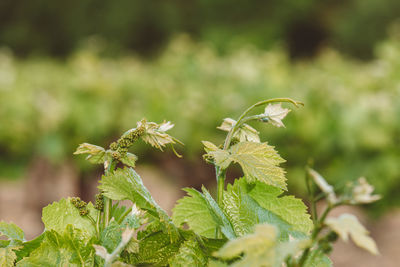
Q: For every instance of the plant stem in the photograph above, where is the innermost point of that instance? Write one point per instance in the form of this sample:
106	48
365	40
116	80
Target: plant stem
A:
98	223
317	229
311	192
221	187
247	111
108	202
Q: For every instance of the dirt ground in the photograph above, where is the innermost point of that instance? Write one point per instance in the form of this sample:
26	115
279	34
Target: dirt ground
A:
21	202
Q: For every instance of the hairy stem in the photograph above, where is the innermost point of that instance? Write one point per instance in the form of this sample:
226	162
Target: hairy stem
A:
98	221
221	186
107	201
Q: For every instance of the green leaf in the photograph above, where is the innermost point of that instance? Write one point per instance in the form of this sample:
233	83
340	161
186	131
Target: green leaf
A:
193	210
221	157
202	214
125	184
12	232
71	248
29	246
132	220
121	264
58	215
189	254
215	263
96	153
244	133
240	208
129	159
218	215
348	225
260	249
4	243
111	236
117	211
154	249
7	257
289	208
249	204
318	259
259	161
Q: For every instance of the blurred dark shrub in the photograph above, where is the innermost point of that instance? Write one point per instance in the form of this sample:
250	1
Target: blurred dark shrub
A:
57	27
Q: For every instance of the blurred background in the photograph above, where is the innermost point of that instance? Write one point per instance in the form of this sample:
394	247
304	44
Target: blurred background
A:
86	71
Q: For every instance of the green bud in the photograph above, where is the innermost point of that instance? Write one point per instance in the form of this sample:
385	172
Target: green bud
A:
83	212
99	202
114	146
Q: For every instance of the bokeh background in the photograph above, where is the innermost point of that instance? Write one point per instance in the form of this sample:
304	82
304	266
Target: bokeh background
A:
86	71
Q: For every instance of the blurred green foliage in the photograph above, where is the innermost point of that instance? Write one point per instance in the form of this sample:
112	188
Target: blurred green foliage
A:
57	27
349	125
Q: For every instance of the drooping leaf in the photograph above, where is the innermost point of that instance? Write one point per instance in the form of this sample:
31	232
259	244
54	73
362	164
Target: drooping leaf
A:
289	208
194	211
129	159
317	259
259	161
274	114
189	254
12	232
362	193
95	153
348	225
7	257
323	185
261	248
155	134
244	133
70	248
58	215
126	184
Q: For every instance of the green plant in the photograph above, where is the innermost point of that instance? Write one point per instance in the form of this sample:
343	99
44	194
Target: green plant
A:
248	224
